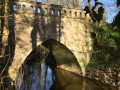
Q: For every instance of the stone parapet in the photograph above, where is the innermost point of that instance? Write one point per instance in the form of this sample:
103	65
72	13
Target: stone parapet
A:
33	7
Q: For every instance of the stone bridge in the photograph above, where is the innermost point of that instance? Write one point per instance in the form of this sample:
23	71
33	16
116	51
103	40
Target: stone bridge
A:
32	23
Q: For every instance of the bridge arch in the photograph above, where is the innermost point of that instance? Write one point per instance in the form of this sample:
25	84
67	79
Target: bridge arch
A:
64	57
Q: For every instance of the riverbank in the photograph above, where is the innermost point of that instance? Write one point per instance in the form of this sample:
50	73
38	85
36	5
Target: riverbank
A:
109	77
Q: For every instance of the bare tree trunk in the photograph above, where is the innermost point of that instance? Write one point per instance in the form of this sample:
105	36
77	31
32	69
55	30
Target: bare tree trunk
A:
54	1
118	2
89	2
49	1
0	15
5	29
76	3
68	3
62	2
73	3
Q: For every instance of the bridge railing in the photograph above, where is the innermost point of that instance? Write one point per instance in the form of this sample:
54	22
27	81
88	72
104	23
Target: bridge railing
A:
32	7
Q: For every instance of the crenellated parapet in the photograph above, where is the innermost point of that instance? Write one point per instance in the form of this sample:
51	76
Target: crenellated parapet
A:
46	9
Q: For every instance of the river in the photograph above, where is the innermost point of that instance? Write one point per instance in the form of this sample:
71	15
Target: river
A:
42	77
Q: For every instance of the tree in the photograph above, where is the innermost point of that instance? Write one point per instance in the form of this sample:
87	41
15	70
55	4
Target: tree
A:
118	2
5	31
96	16
116	21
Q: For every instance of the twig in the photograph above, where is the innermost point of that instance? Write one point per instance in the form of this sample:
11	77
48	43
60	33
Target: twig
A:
4	77
8	15
110	10
6	64
4	68
4	56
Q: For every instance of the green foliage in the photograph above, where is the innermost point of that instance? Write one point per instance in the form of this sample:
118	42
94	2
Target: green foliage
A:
106	50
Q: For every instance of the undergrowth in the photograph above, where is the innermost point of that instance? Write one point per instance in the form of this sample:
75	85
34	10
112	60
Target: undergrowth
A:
106	47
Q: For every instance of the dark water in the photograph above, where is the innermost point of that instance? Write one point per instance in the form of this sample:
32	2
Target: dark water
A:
42	77
65	80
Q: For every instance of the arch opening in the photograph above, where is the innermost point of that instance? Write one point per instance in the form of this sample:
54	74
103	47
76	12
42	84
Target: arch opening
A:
52	12
24	8
46	11
31	9
39	10
69	13
59	12
65	12
80	14
15	7
57	55
65	59
75	14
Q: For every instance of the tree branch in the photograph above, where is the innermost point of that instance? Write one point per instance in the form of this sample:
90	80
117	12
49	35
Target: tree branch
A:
89	2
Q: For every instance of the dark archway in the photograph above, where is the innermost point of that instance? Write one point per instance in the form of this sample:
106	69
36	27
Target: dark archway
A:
63	56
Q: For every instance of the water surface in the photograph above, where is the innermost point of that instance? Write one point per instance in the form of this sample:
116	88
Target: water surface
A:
42	77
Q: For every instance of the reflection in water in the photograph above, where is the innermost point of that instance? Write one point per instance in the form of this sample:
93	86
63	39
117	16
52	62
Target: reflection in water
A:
49	78
41	77
38	77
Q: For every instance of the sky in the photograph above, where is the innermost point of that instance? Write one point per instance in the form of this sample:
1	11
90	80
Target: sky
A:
110	7
39	0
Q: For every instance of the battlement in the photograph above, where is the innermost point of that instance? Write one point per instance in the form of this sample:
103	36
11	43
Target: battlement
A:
46	9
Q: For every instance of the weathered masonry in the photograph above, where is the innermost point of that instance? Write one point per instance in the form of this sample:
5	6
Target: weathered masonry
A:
33	23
